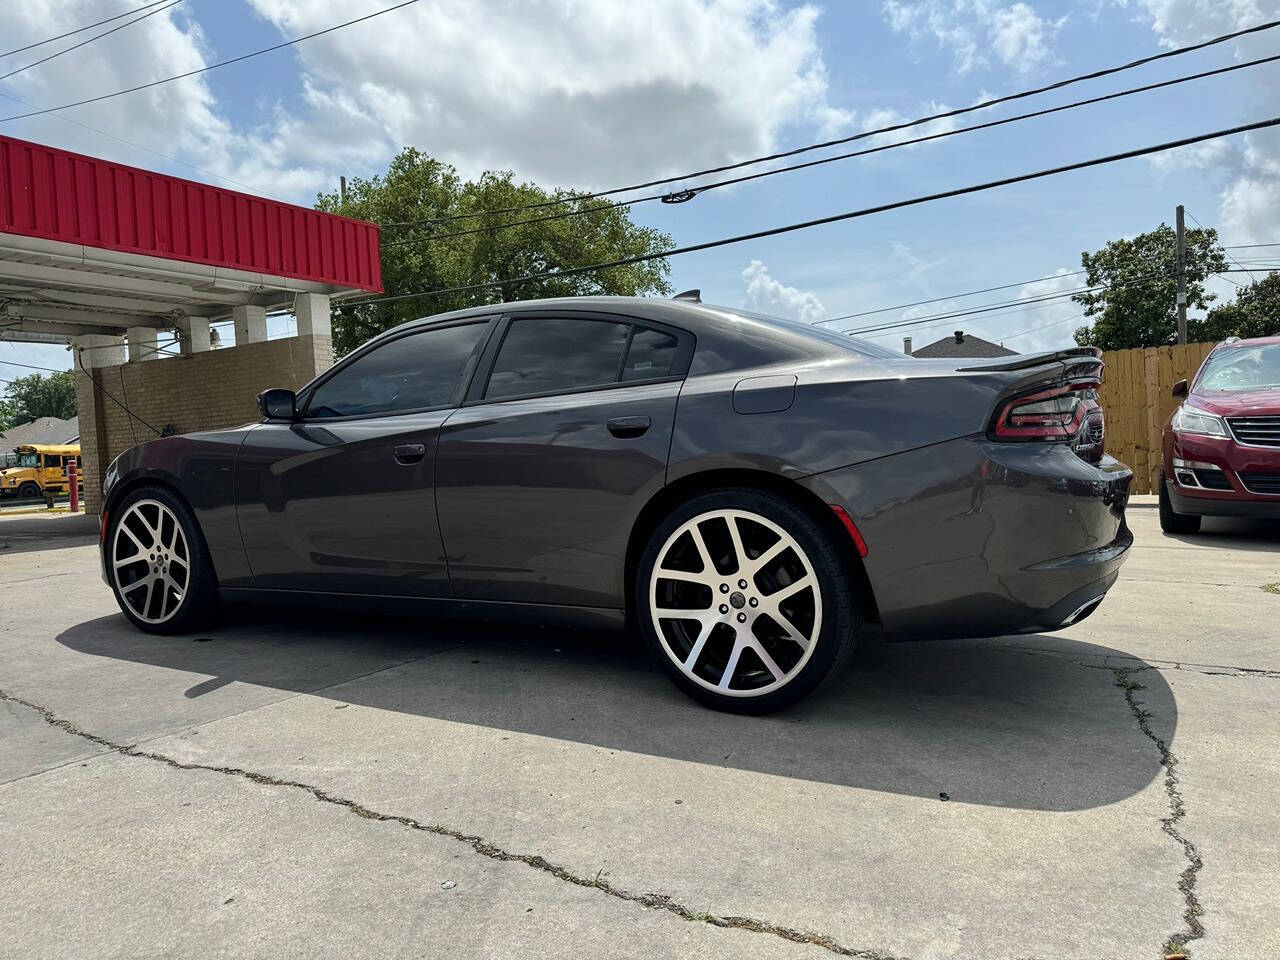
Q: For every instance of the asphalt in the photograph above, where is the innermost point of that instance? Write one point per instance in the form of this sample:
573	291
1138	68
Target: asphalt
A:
304	785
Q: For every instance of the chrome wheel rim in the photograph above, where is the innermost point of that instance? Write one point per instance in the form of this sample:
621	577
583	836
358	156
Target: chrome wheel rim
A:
150	561
735	602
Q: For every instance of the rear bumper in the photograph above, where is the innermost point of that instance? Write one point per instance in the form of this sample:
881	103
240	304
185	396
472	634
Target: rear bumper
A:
974	538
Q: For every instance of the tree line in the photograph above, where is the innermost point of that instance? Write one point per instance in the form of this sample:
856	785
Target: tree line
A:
1134	300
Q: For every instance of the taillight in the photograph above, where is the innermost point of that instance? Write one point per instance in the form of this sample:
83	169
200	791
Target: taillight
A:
1053	414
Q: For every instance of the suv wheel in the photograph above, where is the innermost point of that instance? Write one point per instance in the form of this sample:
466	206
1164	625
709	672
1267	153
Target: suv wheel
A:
745	601
1171	522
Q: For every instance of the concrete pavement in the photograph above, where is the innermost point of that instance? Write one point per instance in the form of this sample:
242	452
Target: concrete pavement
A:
322	786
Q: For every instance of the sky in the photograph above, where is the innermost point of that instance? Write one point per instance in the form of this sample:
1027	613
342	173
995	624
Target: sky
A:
593	94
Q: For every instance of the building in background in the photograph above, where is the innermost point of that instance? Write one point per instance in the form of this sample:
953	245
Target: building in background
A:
109	258
42	431
959	344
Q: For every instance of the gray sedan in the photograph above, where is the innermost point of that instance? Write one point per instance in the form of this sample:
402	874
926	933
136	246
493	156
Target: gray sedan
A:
747	492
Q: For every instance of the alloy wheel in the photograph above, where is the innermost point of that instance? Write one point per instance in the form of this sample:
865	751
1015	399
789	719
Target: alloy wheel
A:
151	561
735	602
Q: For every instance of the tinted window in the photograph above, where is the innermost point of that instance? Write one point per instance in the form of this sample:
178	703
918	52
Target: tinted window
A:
651	354
420	370
551	354
51	460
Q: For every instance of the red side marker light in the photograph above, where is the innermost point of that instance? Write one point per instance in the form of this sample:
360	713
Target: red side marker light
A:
852	528
102	534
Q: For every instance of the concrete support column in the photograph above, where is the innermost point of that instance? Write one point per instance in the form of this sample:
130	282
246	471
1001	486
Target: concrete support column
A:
251	324
193	335
312	311
142	343
97	350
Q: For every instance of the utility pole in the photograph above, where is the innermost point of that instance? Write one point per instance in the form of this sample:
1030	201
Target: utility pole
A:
342	190
1182	277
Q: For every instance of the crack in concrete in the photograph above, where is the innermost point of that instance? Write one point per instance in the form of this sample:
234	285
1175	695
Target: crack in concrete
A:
656	901
1206	669
1193	911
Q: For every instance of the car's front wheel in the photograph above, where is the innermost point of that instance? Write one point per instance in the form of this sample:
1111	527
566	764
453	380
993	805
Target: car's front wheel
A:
158	563
1170	521
746	600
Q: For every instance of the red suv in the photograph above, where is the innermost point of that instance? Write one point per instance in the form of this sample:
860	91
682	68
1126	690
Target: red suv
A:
1222	445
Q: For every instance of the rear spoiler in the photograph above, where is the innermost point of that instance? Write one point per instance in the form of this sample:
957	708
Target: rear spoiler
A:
1078	360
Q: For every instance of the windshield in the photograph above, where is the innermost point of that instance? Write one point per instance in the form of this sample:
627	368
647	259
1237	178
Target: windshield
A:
28	459
1243	368
855	344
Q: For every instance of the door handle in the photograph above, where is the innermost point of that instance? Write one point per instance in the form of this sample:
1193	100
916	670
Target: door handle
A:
409	453
624	427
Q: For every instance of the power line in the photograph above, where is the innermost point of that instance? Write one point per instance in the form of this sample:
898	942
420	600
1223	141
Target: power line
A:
1251	246
89	26
988	308
954	296
981	105
212	66
1230	256
32	366
96	36
834	218
702	188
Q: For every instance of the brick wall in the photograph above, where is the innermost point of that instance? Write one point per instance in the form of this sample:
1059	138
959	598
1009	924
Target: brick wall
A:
203	391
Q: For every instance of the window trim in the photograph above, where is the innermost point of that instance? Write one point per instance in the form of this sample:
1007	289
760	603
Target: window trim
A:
686	341
489	323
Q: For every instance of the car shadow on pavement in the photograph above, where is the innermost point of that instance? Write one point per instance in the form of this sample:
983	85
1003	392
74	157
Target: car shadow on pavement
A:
1033	722
1233	533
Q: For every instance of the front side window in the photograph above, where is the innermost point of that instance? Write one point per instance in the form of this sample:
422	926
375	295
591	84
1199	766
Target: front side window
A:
51	460
413	372
556	355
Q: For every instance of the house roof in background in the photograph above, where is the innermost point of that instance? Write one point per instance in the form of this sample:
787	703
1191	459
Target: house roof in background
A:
962	344
44	430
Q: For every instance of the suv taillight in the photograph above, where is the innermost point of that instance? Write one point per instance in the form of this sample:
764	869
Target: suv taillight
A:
1053	414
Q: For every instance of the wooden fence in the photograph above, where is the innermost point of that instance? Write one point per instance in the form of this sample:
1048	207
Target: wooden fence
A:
1137	400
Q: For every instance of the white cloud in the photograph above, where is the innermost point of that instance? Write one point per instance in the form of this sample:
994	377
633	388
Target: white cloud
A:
566	92
1019	36
569	92
1250	201
768	295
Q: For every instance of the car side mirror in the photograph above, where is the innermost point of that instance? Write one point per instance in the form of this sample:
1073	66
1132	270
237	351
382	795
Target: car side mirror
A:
1180	388
278	404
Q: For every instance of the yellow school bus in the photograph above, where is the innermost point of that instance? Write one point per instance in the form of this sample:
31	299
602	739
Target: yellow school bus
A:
38	469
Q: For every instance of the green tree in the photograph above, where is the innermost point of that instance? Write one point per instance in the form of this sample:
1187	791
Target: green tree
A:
34	396
475	250
1136	305
1255	312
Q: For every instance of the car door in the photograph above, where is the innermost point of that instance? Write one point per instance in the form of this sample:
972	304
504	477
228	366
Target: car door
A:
342	499
563	438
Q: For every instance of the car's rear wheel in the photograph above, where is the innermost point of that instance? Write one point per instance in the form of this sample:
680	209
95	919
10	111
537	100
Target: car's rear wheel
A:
1171	522
158	563
746	601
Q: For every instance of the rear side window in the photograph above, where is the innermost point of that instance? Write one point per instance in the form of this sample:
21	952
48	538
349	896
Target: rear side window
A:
555	355
409	373
652	355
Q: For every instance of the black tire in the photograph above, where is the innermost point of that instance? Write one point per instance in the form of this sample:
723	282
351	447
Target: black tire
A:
29	491
198	607
1171	522
840	620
